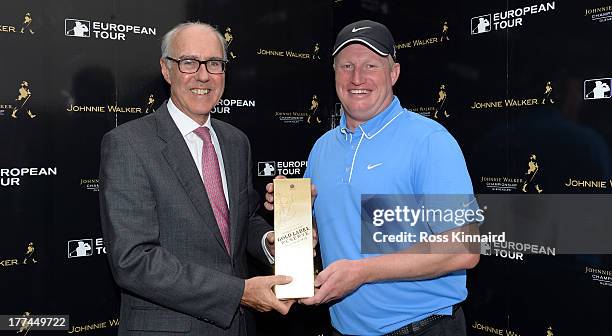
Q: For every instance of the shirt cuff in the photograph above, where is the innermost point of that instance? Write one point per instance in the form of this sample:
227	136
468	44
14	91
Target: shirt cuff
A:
265	249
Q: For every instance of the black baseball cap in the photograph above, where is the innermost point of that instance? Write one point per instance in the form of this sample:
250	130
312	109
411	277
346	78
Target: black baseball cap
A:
373	35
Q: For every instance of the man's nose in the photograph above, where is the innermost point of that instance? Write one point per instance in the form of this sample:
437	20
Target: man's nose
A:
202	74
357	76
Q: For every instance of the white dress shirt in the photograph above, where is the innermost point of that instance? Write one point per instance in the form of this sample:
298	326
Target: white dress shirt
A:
186	126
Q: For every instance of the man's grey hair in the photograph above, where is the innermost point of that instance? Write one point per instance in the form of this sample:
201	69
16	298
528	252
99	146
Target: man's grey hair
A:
168	39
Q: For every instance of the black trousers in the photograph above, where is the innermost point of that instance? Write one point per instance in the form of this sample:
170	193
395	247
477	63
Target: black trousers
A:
453	325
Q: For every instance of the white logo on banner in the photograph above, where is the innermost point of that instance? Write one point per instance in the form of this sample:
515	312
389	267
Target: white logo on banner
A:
597	88
77	28
85	247
105	30
285	168
485	248
481	24
80	248
507	19
267	168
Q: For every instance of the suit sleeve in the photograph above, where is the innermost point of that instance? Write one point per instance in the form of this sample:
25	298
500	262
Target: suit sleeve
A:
257	225
138	263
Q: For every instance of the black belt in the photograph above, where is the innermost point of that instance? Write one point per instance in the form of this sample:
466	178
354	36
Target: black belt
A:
415	327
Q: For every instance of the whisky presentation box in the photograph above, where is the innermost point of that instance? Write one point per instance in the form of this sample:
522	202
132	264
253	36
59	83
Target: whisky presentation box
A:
293	237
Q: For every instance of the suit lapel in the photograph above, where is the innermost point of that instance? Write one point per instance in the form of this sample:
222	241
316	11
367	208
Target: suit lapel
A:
180	160
231	164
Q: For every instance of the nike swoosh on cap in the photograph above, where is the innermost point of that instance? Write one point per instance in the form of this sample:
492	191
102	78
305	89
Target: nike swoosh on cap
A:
354	30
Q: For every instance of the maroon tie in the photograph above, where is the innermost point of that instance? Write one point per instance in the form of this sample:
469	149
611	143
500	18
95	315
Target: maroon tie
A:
214	184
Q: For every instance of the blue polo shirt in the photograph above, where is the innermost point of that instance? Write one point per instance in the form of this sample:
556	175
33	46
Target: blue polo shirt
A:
396	152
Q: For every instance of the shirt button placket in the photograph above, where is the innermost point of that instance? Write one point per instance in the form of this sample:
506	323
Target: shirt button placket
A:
348	160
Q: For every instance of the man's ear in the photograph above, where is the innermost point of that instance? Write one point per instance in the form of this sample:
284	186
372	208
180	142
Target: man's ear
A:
164	70
395	72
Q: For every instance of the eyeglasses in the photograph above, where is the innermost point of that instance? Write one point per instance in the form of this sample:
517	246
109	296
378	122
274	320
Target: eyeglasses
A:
190	66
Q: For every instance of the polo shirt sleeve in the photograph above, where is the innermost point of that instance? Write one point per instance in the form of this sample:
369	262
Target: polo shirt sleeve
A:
442	178
311	161
307	173
441	168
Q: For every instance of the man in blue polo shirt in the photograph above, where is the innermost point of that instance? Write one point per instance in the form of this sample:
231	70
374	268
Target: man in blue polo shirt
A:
381	148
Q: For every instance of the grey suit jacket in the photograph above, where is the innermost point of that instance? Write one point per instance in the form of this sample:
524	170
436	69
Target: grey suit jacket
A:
165	249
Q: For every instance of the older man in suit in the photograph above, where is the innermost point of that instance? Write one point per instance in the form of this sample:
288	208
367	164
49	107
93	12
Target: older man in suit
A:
177	205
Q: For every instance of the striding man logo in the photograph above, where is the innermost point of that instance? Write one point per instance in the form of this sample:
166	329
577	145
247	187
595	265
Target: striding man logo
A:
27	24
229	38
21	102
314	109
30	254
441	107
25	325
444	35
150	103
532	170
315	51
547	94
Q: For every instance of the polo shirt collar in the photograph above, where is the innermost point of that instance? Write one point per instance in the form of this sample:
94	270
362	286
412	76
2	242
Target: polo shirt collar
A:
373	126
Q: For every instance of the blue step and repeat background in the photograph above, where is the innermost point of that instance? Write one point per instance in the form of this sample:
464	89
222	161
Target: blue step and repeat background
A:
518	83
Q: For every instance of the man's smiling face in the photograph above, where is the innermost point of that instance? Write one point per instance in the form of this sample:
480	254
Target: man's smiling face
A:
194	94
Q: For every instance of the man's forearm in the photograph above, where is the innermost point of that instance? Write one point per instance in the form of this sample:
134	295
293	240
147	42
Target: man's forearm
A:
413	266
